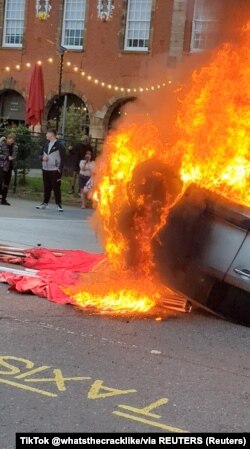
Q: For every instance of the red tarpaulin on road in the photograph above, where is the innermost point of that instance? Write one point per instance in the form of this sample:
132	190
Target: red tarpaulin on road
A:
35	103
56	269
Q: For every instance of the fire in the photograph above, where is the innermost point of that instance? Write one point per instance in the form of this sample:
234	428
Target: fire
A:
135	189
123	152
130	212
117	298
139	178
215	124
124	294
119	302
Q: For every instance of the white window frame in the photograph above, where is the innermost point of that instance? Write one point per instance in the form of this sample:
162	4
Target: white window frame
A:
128	20
6	20
203	21
73	47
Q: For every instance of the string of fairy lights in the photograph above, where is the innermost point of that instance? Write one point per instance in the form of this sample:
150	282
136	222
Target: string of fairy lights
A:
73	68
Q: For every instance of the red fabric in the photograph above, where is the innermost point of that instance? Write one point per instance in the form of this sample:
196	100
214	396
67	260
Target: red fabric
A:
74	260
56	269
35	103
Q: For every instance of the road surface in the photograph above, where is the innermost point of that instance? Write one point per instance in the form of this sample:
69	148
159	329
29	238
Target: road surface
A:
62	370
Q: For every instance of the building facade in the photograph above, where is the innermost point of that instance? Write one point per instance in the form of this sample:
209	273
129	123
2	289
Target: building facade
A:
106	50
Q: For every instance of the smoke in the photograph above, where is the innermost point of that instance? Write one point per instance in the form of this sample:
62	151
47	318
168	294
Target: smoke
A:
138	174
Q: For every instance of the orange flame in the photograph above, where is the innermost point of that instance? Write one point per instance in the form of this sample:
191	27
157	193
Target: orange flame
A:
121	187
123	151
215	124
212	152
122	294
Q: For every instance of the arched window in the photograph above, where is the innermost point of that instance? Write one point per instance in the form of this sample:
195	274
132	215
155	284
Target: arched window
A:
12	107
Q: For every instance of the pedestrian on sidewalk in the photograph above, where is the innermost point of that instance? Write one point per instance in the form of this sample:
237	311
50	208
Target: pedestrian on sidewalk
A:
86	175
53	157
8	153
77	153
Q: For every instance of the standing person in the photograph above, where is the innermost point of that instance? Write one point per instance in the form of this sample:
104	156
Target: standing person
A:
77	154
86	176
52	156
8	153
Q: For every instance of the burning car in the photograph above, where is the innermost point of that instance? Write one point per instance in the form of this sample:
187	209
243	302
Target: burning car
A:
203	251
178	207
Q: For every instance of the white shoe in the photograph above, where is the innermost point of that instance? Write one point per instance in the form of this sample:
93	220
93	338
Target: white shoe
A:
59	208
42	206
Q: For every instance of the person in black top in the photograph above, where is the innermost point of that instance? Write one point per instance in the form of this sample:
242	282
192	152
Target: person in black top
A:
8	153
77	153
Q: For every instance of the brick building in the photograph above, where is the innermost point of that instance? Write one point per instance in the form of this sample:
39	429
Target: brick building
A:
105	63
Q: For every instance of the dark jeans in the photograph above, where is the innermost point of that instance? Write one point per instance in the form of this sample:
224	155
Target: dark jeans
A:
52	181
5	177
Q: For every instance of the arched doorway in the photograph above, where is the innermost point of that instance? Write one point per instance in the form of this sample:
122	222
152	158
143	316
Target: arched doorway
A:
117	111
68	107
12	107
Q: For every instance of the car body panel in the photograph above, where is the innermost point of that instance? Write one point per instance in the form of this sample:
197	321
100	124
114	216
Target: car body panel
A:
239	271
204	239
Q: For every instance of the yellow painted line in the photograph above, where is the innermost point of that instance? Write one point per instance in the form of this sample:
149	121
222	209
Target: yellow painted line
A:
97	387
33	371
150	423
146	410
13	369
25	387
59	380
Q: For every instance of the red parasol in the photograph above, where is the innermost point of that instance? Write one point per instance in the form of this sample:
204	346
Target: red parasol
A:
35	103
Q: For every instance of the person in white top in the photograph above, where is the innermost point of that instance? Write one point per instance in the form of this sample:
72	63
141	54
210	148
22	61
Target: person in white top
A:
86	177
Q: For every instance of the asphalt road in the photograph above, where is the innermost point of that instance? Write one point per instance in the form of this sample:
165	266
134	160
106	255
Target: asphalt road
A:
62	370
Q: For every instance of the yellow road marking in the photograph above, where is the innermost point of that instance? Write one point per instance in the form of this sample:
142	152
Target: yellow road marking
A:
13	369
33	371
58	379
150	423
27	388
146	410
97	386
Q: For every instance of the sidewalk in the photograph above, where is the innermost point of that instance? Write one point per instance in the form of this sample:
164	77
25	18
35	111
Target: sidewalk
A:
35	172
23	225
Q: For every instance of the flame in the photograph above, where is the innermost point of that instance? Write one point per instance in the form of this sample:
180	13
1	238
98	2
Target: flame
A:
119	302
121	188
114	299
215	124
130	214
123	151
123	294
213	151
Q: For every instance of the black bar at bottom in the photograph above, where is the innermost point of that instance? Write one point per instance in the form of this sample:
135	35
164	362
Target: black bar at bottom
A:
76	440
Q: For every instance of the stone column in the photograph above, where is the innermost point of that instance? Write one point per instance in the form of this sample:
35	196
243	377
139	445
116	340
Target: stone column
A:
178	30
96	127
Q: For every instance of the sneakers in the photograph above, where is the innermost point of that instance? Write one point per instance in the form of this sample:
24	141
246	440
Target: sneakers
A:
42	206
45	206
5	203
